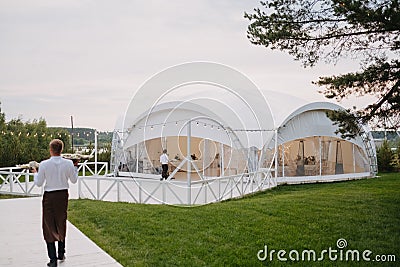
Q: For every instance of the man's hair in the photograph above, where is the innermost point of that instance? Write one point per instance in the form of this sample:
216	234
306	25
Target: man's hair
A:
56	145
164	151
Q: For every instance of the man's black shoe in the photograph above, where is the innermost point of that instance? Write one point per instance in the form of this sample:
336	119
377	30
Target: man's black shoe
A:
61	257
52	263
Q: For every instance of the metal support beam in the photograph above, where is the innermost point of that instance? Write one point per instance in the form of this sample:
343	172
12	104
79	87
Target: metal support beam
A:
96	151
276	153
189	163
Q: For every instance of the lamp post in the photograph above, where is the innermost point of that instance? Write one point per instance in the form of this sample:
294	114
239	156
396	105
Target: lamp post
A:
72	134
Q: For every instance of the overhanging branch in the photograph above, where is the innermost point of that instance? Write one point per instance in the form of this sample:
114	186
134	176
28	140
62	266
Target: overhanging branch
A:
384	99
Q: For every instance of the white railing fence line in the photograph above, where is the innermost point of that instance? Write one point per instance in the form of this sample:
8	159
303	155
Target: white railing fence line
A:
18	183
146	191
93	168
14	180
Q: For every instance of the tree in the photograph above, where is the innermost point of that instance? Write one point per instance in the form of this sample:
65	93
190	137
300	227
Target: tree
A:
385	157
396	156
21	142
314	30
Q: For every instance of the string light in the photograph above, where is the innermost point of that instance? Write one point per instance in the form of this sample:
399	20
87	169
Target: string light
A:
33	134
164	124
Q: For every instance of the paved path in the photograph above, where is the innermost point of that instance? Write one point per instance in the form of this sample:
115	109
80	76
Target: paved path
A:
22	244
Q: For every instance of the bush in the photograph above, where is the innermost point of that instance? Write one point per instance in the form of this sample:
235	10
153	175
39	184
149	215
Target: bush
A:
385	157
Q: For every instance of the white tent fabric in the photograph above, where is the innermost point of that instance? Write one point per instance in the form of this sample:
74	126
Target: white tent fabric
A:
310	120
231	98
225	106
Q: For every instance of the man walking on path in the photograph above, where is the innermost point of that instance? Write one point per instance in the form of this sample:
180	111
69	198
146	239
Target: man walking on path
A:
164	164
56	172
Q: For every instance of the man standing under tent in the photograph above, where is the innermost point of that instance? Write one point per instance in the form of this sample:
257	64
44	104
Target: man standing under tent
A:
164	164
56	171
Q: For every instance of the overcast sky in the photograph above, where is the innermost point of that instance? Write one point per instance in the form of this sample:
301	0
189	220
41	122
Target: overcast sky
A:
86	58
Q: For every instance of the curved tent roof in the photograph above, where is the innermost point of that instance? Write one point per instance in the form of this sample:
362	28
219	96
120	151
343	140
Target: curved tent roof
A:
217	92
221	98
311	120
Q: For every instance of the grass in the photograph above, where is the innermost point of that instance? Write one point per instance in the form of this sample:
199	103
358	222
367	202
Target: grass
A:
6	196
366	213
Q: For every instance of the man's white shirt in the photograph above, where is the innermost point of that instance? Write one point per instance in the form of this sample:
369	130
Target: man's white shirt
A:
56	171
164	159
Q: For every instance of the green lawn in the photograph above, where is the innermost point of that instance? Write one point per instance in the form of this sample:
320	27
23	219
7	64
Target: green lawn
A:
366	213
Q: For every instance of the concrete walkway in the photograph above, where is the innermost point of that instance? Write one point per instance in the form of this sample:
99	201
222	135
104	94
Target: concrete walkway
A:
22	244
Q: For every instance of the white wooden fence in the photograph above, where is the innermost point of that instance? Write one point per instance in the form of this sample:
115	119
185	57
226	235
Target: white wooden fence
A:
153	191
14	180
144	190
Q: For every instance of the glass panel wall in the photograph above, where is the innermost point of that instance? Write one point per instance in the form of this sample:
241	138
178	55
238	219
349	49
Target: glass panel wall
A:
320	155
209	158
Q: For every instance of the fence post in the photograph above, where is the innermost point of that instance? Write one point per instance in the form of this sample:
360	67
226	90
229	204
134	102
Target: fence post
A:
26	183
206	185
163	192
98	189
140	191
79	188
219	189
241	183
11	181
118	193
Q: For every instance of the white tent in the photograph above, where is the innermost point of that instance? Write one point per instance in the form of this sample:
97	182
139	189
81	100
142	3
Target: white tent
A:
219	121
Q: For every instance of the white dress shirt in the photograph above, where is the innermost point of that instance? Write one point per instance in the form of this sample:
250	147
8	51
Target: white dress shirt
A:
164	159
56	171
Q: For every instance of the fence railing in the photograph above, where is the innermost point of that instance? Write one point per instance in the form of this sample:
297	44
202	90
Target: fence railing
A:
93	168
14	180
151	191
148	190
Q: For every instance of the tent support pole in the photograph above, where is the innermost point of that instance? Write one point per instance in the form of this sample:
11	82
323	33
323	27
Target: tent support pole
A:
222	165
95	154
189	162
320	156
283	160
137	157
354	160
276	153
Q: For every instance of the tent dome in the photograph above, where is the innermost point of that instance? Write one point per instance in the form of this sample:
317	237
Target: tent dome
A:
228	114
203	92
